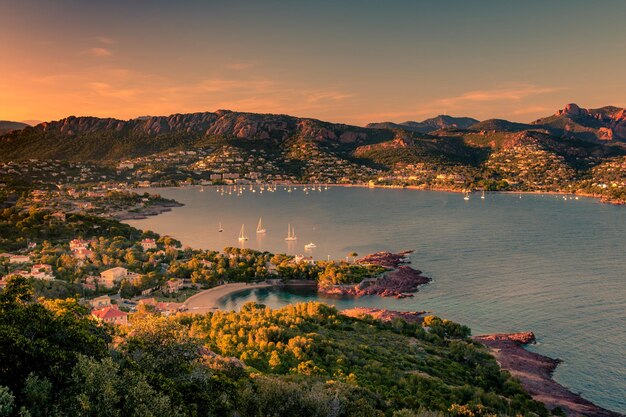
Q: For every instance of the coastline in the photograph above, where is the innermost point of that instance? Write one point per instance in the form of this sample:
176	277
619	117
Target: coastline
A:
534	371
601	198
207	300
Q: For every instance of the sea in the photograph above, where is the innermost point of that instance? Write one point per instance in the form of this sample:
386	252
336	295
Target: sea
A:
551	264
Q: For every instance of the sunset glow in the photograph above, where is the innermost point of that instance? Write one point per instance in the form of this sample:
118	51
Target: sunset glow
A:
354	62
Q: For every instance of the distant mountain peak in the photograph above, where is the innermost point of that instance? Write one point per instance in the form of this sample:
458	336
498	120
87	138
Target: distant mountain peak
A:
441	121
571	108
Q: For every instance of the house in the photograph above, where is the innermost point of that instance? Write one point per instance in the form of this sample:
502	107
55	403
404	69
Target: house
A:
162	307
173	286
112	276
76	244
100	302
300	258
148	244
111	315
82	253
125	165
42	271
16	259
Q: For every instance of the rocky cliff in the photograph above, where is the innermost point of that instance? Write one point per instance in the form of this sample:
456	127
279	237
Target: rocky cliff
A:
605	123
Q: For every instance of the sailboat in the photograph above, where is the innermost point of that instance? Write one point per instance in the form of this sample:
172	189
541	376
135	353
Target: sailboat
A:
291	233
220	228
242	236
483	196
259	228
466	196
309	246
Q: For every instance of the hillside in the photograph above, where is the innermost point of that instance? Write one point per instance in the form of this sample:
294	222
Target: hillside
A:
428	125
301	360
8	126
91	138
602	124
228	147
500	125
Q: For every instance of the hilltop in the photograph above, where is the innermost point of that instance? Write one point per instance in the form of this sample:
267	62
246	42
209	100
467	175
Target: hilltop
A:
7	126
428	125
605	123
92	138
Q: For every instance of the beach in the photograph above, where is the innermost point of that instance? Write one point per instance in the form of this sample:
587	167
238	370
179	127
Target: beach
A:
207	300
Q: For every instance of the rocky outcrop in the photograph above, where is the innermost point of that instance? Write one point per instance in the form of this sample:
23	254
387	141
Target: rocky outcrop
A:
220	123
605	123
535	374
386	259
402	282
385	315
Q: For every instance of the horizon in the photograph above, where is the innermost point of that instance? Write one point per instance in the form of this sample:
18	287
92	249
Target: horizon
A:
353	62
36	122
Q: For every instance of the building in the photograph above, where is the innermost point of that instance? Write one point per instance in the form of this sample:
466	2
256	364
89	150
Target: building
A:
16	259
113	276
111	315
100	302
126	165
42	271
82	253
148	244
76	244
173	286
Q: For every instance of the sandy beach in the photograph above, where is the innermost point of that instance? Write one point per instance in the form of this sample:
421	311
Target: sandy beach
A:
206	301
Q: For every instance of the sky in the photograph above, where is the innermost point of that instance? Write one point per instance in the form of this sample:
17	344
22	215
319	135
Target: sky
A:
352	61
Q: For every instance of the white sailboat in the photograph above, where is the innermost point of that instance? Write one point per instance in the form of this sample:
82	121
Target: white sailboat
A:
483	196
291	233
242	235
466	196
259	228
310	246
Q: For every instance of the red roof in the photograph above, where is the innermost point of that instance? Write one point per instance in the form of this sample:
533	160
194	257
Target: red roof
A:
108	313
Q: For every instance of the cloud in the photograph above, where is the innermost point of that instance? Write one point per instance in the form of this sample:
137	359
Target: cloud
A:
222	85
107	90
98	52
498	94
314	97
106	40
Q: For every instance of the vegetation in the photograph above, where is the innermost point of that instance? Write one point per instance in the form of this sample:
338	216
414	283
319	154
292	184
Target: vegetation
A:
304	359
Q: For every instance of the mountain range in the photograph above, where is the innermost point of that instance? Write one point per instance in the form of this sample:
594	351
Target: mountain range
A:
444	137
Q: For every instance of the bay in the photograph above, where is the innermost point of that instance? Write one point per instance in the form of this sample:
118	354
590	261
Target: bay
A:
507	263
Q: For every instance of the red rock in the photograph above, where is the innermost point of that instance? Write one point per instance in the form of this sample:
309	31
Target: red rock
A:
385	315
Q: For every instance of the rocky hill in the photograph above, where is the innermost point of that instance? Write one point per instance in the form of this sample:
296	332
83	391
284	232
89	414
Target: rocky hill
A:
92	138
428	125
605	124
7	126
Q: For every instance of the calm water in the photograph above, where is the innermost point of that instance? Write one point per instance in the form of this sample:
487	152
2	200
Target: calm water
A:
502	264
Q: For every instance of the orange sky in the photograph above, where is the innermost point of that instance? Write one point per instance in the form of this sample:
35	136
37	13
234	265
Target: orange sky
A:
356	62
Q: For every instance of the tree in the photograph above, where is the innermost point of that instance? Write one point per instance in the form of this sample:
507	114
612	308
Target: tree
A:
6	401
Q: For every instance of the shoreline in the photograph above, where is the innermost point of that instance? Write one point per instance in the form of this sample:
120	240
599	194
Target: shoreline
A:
534	371
207	300
601	198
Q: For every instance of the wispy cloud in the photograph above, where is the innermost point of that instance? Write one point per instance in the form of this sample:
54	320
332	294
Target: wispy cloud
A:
98	52
105	40
516	93
106	90
316	96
